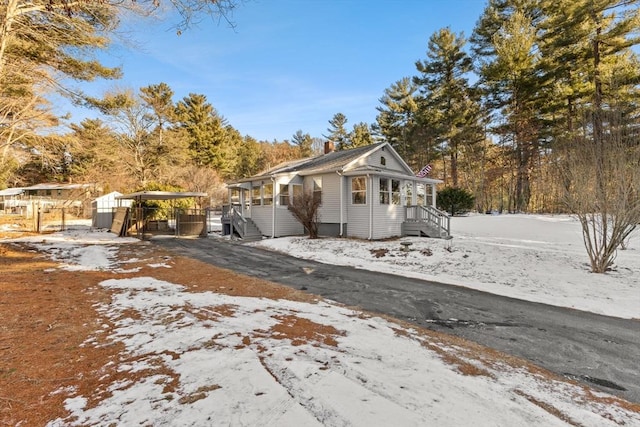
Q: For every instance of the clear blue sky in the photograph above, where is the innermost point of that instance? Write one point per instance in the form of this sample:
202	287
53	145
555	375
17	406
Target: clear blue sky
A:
288	64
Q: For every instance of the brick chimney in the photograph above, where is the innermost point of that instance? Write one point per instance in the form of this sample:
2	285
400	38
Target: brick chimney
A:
328	147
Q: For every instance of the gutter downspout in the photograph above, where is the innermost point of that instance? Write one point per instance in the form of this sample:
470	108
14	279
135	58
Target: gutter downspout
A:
370	185
341	202
273	207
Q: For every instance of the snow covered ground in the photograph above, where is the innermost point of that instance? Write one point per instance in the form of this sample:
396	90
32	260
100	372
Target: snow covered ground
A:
213	359
537	258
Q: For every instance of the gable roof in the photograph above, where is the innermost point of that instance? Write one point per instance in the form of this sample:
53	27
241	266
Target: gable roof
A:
341	161
333	161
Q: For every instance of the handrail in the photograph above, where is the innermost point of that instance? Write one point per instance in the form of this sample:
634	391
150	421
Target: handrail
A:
238	222
430	215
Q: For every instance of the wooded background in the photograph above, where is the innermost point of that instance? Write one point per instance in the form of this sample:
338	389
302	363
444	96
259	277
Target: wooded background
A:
539	105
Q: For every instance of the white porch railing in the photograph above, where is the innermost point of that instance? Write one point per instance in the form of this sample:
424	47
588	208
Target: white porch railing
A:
429	215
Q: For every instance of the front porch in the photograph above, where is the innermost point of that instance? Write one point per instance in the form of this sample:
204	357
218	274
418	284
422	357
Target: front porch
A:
426	221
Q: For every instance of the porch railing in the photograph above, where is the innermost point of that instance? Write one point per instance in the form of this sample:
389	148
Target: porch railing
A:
431	216
238	222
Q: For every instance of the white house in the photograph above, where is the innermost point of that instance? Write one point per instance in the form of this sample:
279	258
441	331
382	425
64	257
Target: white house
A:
366	192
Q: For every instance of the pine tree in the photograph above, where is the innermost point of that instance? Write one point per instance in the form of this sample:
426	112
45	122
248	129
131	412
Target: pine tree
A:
338	132
446	94
396	119
304	142
506	38
360	135
205	129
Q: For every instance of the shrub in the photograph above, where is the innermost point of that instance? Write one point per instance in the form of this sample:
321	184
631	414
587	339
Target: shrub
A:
455	200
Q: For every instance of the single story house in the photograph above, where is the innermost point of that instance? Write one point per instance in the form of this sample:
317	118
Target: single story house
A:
367	192
48	195
11	201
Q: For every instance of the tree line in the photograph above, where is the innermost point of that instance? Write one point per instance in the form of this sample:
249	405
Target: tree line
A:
498	114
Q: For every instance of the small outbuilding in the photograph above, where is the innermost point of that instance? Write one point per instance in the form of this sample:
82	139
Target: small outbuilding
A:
144	220
103	209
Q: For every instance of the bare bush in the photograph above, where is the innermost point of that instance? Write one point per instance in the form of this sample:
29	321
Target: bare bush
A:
602	188
304	208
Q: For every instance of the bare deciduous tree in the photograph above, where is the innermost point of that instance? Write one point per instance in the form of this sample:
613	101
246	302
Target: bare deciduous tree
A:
602	188
304	208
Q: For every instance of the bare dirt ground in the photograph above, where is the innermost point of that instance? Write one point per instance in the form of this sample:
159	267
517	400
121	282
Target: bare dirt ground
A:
46	314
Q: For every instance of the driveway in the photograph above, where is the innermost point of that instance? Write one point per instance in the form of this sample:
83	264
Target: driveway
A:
600	351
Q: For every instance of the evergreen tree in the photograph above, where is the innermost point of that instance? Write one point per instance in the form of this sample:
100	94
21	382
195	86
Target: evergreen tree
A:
447	95
360	135
338	132
249	158
396	117
205	130
508	77
304	142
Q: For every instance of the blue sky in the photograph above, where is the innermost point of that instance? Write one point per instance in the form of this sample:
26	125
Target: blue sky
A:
289	64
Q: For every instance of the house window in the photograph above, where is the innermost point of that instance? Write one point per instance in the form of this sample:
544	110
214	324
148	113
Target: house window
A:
395	192
284	194
383	161
317	190
420	194
255	196
384	191
47	192
359	190
296	192
235	196
408	193
267	194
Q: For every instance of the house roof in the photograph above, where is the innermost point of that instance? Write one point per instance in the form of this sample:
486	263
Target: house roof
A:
343	161
11	192
160	195
58	186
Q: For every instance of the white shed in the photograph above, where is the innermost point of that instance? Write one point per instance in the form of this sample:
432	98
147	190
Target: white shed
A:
102	209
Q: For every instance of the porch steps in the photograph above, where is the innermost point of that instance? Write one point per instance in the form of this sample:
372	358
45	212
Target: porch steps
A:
426	221
422	229
251	233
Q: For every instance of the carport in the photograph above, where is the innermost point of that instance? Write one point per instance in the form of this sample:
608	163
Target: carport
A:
145	222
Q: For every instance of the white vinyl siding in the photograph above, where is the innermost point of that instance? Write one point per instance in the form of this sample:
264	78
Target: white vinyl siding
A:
358	221
286	224
359	214
387	218
329	211
391	163
261	215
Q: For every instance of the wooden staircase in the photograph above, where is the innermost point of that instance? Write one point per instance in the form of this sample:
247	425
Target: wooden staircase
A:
426	221
244	228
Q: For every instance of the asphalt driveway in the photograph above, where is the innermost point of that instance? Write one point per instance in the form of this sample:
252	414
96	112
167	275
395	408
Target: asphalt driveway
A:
598	350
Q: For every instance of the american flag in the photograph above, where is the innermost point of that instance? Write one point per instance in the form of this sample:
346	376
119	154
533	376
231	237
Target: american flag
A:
424	171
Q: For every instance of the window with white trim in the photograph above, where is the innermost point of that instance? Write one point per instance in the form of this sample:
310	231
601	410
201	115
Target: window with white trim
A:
284	194
317	189
384	191
359	190
395	191
256	200
408	193
267	194
421	194
296	191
